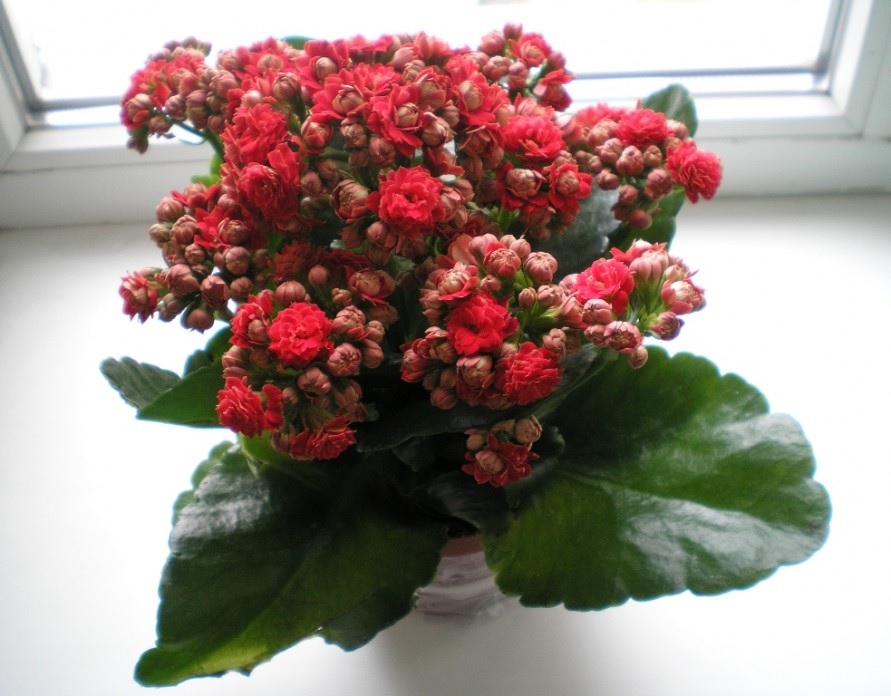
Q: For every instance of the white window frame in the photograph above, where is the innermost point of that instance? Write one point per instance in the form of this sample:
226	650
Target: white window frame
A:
838	142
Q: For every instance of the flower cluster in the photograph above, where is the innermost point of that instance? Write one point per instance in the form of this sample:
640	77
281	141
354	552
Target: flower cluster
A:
383	202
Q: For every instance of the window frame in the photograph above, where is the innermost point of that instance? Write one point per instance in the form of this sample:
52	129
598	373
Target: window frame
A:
782	144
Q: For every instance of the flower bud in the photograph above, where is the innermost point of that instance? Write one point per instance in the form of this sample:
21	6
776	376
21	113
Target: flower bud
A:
237	260
443	398
637	358
527	430
215	291
198	319
666	326
630	162
503	262
372	354
290	292
241	288
488	461
540	266
344	360
314	382
622	336
180	280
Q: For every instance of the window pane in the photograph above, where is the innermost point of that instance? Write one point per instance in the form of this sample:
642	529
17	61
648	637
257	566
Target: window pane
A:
597	36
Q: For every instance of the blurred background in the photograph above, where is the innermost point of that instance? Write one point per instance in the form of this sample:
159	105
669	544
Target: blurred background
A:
793	253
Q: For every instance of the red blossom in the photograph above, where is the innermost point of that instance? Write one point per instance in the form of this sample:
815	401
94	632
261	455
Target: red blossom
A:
642	127
240	409
299	334
139	295
479	324
327	441
530	374
697	171
605	279
408	200
251	322
499	463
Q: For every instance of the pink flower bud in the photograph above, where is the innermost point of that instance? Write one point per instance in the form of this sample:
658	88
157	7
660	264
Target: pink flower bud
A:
622	336
628	194
524	183
215	291
443	398
198	319
313	382
555	341
318	276
354	135
235	362
372	354
682	296
606	180
169	209
540	266
503	262
610	151
658	184
241	288
527	430
526	298
169	307
374	331
639	219
350	322
180	280
637	358
237	260
488	461
666	326
344	360
290	292
630	162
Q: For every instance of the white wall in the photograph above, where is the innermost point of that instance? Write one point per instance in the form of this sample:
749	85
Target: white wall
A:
798	293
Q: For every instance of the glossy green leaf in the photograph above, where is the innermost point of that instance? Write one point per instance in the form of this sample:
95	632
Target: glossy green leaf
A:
676	103
589	237
673	478
138	383
260	562
191	401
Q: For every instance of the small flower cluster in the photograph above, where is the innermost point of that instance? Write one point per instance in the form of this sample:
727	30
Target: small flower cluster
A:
380	201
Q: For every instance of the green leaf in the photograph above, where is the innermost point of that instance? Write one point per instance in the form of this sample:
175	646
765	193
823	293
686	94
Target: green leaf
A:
588	237
260	562
676	103
138	383
191	401
673	478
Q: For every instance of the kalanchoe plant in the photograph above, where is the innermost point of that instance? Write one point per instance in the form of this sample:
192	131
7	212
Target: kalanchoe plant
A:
432	290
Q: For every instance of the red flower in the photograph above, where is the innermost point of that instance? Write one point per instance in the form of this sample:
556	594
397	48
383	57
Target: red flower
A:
272	191
239	408
530	374
642	127
254	131
408	200
479	324
300	334
605	279
697	171
535	138
140	297
499	463
251	322
328	441
396	118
